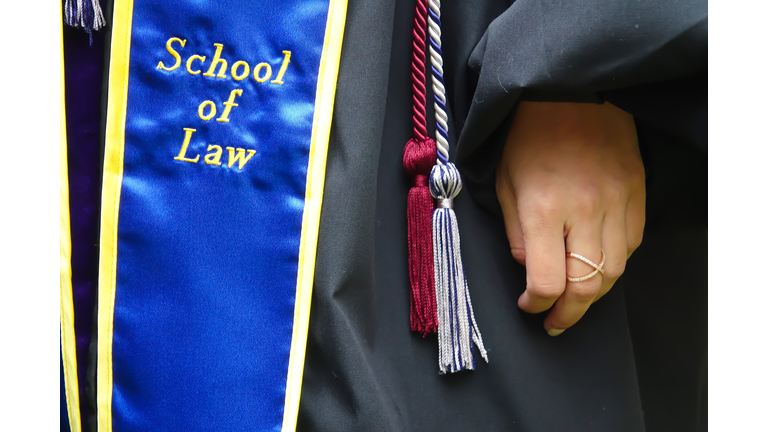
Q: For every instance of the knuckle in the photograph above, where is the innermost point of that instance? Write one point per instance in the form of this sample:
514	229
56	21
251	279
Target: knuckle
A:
588	201
546	204
537	218
616	191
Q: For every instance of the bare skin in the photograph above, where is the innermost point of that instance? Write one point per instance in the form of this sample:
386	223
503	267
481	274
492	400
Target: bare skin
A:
570	179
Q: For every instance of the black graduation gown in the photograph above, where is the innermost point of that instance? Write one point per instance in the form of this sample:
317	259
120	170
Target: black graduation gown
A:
637	360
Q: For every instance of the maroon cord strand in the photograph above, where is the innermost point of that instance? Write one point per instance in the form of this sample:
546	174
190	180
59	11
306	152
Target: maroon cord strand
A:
418	159
418	77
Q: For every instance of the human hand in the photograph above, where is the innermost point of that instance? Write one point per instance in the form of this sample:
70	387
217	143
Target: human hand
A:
570	179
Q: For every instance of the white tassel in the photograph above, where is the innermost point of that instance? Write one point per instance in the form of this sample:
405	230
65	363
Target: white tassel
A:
70	14
85	14
98	15
80	14
457	329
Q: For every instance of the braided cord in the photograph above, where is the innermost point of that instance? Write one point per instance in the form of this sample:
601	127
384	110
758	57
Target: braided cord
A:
419	157
418	72
457	327
438	82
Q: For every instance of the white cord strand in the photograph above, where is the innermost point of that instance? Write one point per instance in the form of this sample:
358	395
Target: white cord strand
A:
436	59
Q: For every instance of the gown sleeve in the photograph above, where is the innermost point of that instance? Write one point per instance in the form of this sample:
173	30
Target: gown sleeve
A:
647	57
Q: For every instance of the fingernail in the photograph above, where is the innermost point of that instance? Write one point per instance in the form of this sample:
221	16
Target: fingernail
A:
555	332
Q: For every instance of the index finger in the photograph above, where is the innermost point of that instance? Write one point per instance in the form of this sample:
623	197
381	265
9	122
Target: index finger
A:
544	259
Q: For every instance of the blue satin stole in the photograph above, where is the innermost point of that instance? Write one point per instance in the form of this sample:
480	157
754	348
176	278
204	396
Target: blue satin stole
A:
216	121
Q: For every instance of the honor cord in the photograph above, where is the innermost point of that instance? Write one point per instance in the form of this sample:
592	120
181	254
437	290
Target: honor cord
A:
457	328
418	159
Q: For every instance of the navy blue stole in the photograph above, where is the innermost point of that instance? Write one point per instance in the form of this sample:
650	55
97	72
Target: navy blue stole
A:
219	115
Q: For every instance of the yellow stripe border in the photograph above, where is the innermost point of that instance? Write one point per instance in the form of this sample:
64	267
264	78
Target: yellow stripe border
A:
110	203
313	202
68	346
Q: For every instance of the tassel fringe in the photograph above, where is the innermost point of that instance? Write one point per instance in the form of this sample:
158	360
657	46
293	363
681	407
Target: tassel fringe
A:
418	158
458	329
85	14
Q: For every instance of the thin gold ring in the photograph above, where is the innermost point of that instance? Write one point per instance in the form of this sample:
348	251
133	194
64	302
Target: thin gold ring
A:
598	267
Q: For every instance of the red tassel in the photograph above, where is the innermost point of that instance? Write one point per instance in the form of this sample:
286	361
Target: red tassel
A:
418	159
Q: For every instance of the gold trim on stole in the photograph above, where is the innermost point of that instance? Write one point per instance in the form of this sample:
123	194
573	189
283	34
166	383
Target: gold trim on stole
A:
110	203
68	346
313	202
